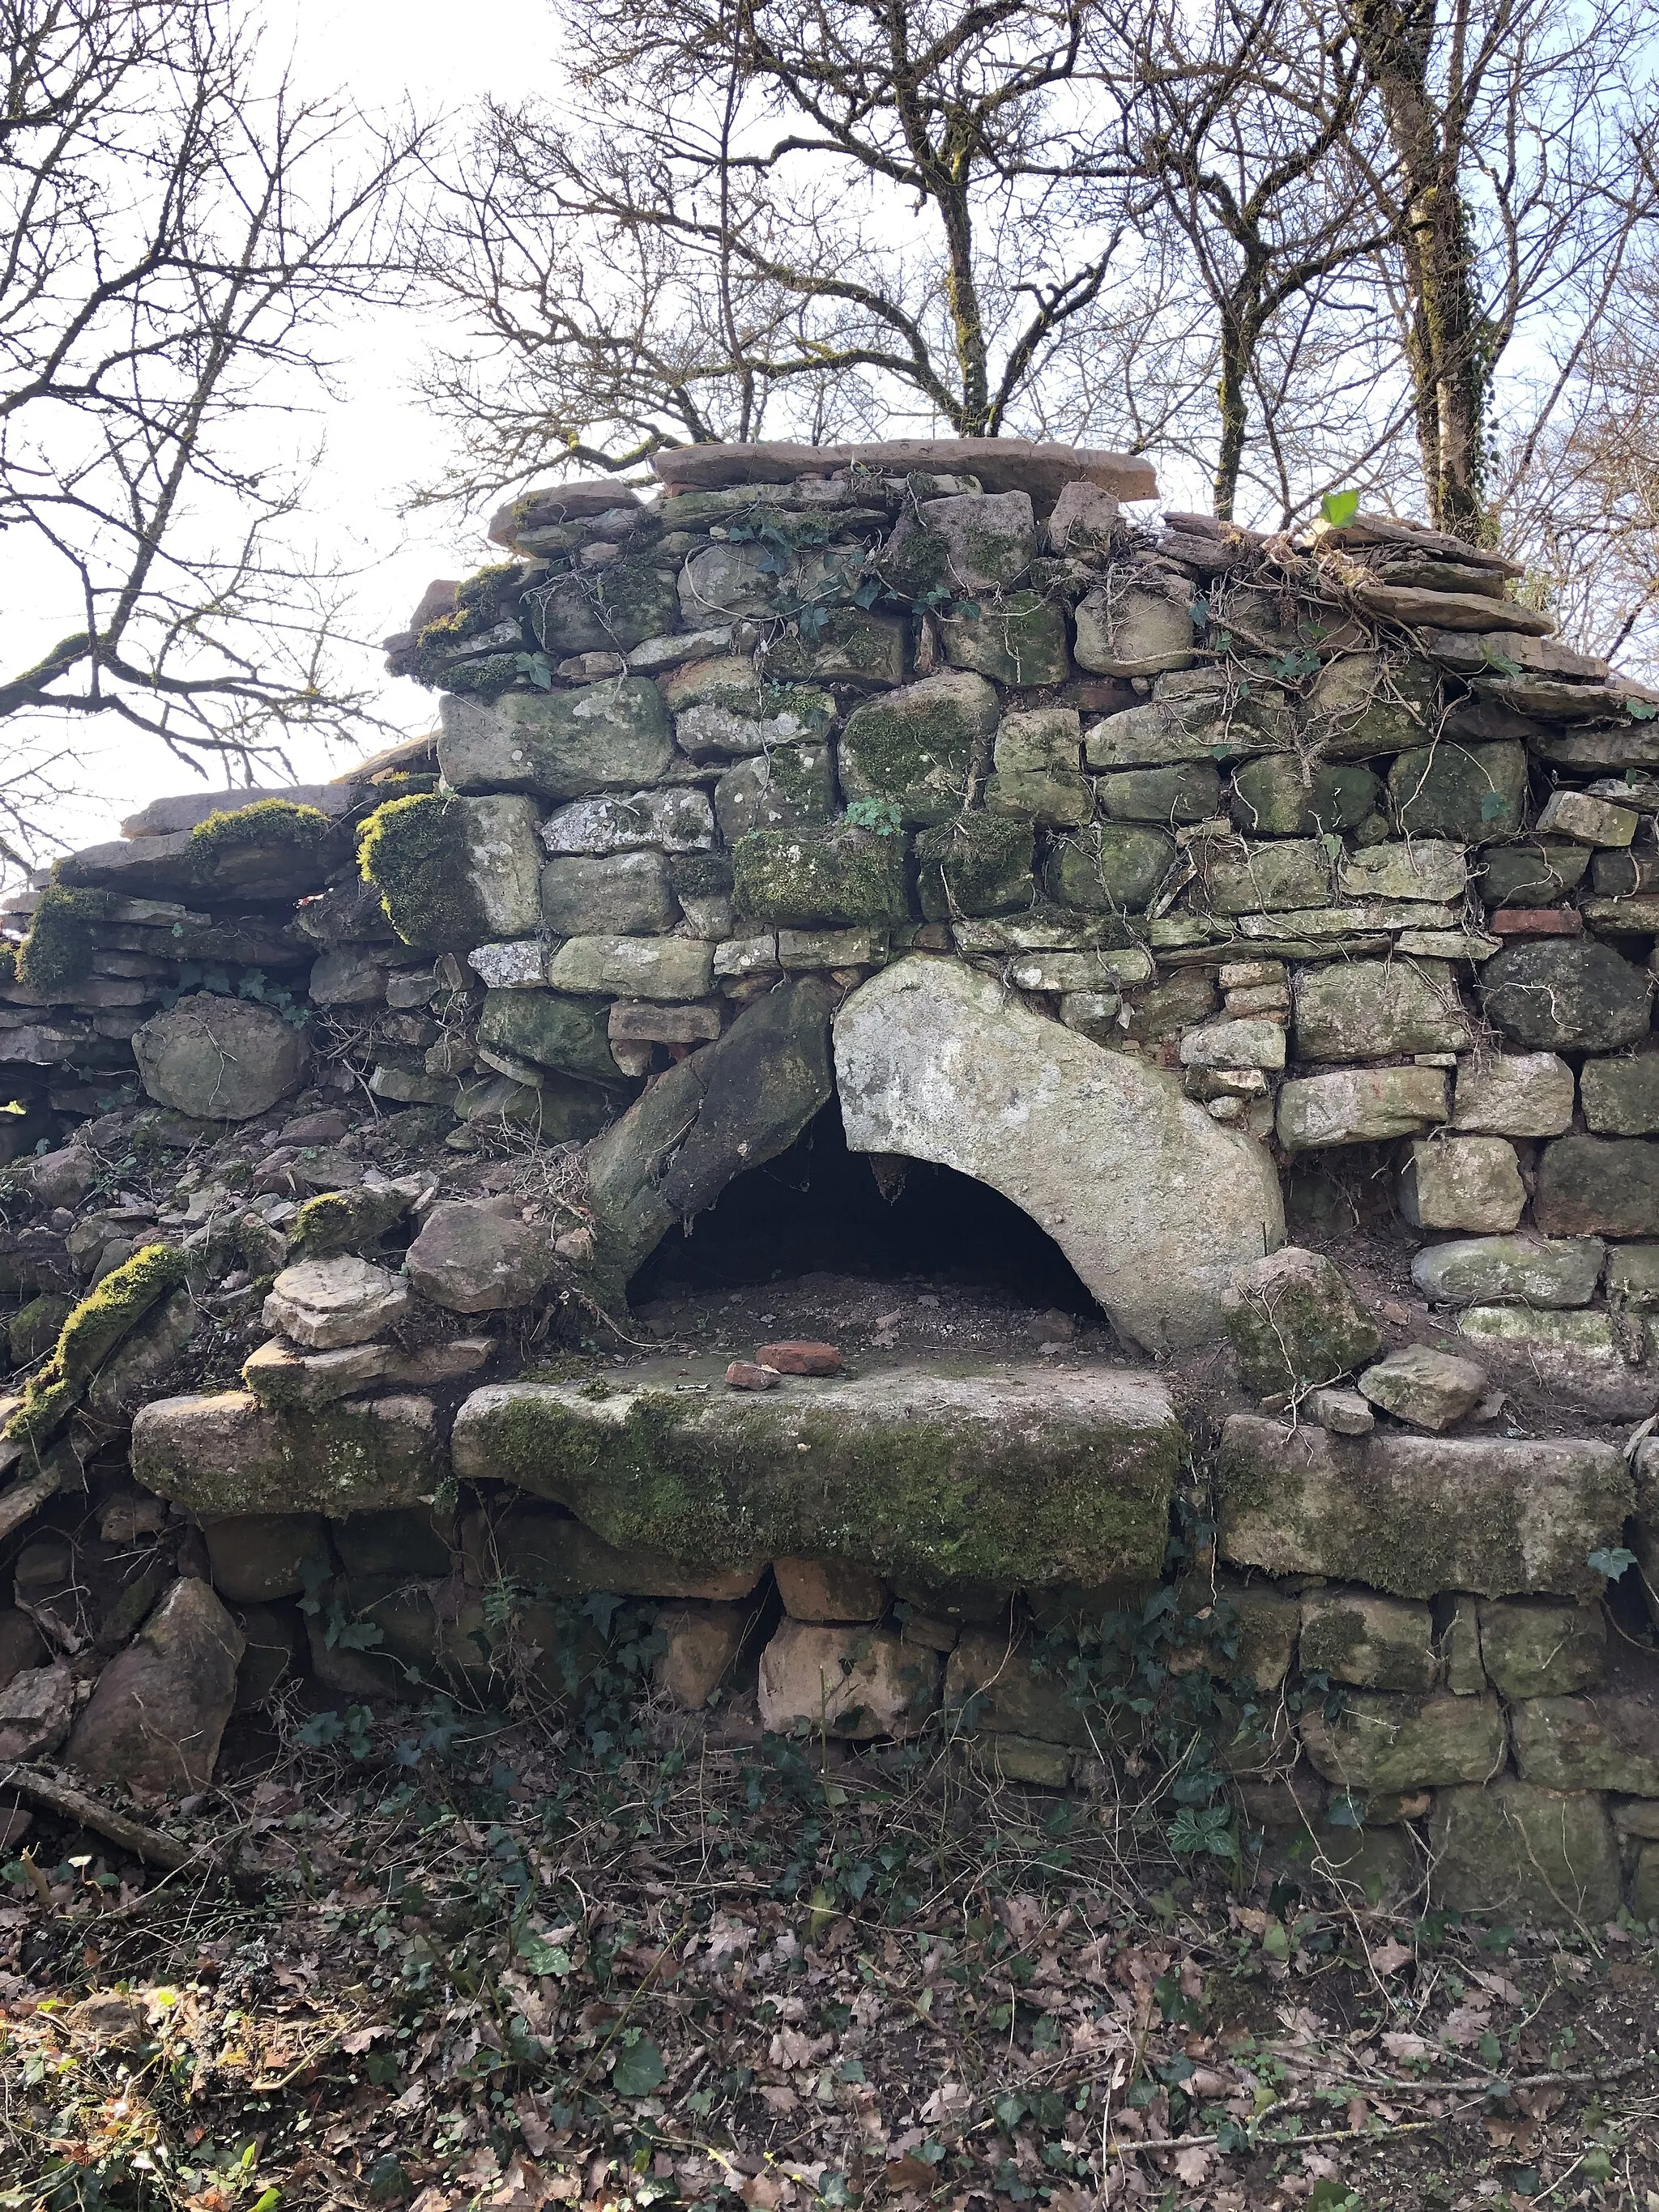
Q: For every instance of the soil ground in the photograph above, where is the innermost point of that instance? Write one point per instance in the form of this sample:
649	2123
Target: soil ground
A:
457	1959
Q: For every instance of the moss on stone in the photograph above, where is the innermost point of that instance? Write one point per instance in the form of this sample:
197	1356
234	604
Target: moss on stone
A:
57	954
8	965
1020	640
700	875
91	1332
819	879
267	823
36	1329
345	1221
925	1494
414	851
978	865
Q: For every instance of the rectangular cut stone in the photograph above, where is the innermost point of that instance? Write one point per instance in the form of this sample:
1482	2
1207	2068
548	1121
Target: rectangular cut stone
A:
634	967
1010	1478
1463	1183
1422	868
1254	1043
232	1454
1598	1187
1359	1106
1415	1515
675	820
1346	920
1605	1742
1372	1010
620	894
606	737
1622	917
633	1021
1044	929
747	956
832	948
1080	971
1518	1094
1621	1097
657	654
1448	943
1511	1847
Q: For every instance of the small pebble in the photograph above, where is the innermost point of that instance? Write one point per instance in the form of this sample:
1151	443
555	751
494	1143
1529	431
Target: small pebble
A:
745	1374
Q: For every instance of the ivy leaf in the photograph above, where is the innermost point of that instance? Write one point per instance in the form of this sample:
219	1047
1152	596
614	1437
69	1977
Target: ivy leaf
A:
1339	508
639	2070
1611	1563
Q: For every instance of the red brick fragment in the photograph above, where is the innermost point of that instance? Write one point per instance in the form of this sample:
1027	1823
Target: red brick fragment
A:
1535	921
799	1357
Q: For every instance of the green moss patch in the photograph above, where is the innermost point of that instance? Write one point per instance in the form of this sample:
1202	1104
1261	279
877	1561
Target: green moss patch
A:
93	1330
345	1221
269	824
819	879
414	851
57	954
945	1480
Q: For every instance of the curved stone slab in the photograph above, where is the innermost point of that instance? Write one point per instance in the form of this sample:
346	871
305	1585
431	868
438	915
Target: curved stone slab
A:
1152	1201
1005	1478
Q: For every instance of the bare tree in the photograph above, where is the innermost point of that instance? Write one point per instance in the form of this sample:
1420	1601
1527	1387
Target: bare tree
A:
782	214
1240	124
1515	185
178	230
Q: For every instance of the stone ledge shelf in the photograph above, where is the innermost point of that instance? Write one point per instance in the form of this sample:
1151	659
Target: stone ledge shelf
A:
1002	1477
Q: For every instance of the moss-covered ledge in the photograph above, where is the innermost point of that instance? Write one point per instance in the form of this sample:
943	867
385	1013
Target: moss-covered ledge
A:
1002	1477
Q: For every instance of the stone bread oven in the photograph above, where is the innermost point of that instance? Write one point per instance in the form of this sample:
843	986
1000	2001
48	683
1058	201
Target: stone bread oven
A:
1268	921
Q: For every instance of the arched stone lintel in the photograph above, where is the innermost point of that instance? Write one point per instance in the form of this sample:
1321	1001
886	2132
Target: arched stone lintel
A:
1150	1199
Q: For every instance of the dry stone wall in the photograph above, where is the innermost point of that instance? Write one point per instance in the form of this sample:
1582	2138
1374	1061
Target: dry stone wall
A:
1178	883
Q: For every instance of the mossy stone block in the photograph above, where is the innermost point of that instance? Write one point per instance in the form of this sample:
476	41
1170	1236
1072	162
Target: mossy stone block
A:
611	610
1292	1320
775	790
1535	871
1111	867
1376	1643
1019	641
1055	798
230	1455
1598	1187
1567	994
1541	1651
1509	1847
1037	739
610	736
454	873
1386	1741
552	1029
849	646
1279	796
1416	1515
1608	1741
1362	704
917	749
1375	1009
948	1478
979	864
1186	790
1474	794
1279	876
824	878
1621	1097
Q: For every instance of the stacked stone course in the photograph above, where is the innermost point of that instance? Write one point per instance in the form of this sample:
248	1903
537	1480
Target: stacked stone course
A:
1124	869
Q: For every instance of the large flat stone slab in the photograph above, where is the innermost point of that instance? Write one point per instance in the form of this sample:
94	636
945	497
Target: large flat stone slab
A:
230	1453
1011	1477
1416	1515
1152	1202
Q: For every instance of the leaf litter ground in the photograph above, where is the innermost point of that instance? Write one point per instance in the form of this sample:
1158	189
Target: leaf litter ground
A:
493	1964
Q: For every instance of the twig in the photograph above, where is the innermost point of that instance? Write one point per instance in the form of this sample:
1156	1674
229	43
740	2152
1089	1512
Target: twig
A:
147	1844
